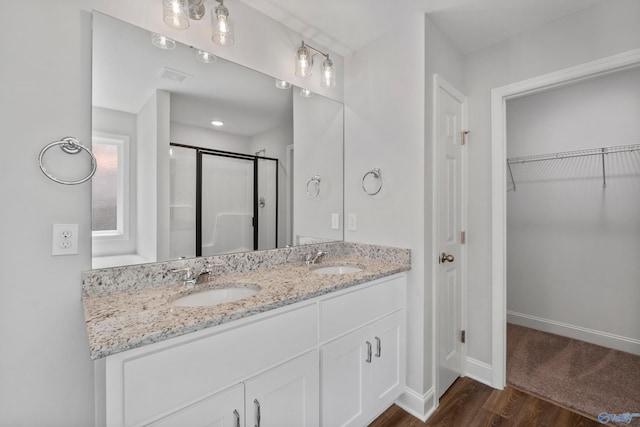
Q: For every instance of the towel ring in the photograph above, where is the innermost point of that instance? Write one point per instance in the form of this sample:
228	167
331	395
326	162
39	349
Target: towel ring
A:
377	174
69	145
313	192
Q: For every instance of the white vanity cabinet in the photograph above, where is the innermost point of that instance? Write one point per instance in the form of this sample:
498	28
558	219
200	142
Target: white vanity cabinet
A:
268	369
363	371
285	396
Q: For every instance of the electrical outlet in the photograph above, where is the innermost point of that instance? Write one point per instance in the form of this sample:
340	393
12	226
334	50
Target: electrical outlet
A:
65	239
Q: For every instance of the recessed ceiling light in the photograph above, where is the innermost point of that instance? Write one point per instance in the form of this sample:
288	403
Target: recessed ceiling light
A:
217	123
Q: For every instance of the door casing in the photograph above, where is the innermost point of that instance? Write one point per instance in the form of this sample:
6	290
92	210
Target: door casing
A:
499	97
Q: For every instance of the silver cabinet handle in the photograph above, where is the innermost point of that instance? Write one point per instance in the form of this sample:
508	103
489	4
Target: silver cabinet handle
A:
368	352
378	347
258	413
235	412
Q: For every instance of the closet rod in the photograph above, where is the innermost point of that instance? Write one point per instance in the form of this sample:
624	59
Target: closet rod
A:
571	154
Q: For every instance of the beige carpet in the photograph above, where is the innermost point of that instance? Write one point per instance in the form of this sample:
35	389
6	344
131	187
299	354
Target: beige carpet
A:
581	376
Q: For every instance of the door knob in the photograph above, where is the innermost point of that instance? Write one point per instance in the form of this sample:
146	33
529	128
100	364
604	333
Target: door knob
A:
446	258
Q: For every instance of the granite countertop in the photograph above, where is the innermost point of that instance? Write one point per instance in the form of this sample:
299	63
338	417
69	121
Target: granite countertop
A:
125	320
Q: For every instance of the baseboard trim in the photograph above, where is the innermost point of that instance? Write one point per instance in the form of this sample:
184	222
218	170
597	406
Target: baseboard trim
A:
478	370
419	405
605	339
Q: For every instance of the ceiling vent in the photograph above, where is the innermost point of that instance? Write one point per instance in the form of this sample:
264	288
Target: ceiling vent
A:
173	75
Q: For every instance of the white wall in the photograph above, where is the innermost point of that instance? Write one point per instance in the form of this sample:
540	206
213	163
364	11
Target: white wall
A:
153	178
388	125
209	138
582	37
44	363
573	245
47	376
318	132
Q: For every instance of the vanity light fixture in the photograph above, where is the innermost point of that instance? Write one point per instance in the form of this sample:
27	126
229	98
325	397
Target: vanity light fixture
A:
305	93
177	13
282	84
162	42
304	65
206	57
217	123
222	25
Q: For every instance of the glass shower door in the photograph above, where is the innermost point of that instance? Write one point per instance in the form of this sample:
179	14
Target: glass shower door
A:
226	204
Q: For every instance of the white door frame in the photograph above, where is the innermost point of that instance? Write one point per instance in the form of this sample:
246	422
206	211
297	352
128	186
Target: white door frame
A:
440	83
499	96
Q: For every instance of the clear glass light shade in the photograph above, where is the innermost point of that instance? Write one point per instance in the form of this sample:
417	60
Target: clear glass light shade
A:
304	62
222	26
175	13
328	74
306	93
206	57
282	84
162	42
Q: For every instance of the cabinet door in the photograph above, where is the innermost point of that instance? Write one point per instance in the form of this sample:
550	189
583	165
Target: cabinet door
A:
345	379
387	368
285	396
224	409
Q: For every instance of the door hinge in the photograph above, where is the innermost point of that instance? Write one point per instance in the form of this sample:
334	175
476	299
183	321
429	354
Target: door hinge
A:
463	237
463	137
463	336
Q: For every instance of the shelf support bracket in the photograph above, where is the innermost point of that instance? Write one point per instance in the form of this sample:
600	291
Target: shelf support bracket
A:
511	175
604	174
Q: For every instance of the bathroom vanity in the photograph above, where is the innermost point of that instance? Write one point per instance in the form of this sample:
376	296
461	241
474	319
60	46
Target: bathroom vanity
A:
308	349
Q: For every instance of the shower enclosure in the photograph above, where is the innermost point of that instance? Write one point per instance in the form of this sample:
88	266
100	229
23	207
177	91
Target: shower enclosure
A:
221	202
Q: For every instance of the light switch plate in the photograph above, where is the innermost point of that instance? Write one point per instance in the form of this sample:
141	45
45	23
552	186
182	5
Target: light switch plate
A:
335	221
353	222
65	239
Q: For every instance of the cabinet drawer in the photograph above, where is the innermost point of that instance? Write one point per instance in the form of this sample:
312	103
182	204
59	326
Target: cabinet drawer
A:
345	312
165	380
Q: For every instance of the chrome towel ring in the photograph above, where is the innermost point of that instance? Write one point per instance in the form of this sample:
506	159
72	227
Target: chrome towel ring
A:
376	173
314	190
69	145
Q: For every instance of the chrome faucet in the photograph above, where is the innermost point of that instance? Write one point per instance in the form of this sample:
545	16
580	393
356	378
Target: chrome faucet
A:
311	258
205	273
189	279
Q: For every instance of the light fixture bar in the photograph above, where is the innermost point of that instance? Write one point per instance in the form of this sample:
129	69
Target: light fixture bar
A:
304	65
326	55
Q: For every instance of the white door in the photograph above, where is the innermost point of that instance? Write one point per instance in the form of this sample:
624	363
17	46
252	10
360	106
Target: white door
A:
449	131
285	396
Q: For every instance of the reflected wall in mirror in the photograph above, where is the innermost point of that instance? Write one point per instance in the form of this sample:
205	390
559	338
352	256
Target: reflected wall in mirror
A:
171	184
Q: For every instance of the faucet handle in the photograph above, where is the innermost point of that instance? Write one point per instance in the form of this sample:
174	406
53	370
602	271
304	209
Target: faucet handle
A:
187	271
208	267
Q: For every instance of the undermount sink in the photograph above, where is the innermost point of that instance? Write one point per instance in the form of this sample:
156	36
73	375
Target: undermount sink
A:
337	269
218	295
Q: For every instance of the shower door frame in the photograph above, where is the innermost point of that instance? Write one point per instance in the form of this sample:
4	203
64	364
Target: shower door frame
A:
230	154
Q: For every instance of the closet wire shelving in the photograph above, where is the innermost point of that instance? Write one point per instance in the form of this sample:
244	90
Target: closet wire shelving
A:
571	154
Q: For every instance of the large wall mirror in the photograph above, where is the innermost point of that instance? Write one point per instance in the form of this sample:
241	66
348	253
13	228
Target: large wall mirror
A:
200	156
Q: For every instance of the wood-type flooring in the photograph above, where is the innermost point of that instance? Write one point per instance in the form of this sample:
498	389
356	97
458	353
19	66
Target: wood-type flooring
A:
469	403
